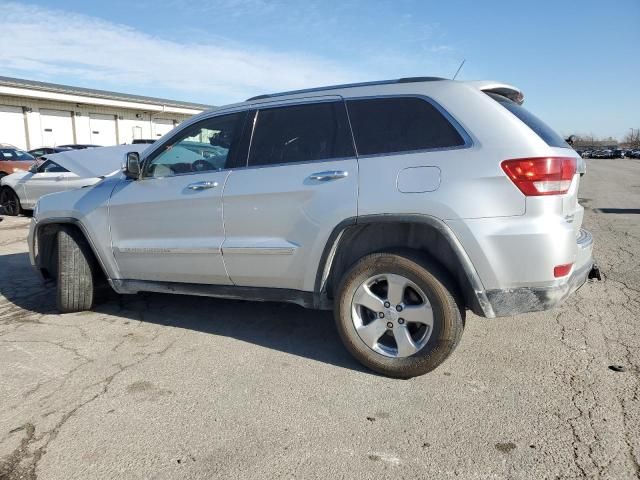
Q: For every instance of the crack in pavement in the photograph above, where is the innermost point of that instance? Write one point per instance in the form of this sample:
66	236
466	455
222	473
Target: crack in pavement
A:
23	461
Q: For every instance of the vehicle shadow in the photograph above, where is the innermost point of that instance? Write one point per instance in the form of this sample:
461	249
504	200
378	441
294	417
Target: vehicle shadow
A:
621	211
278	326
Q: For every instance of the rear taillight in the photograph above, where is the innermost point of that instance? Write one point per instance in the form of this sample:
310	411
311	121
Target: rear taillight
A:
541	175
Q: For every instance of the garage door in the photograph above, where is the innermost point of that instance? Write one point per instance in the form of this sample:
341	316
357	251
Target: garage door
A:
57	127
12	126
103	129
161	126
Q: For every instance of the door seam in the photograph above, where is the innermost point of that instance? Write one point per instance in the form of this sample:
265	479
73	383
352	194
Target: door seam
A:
224	227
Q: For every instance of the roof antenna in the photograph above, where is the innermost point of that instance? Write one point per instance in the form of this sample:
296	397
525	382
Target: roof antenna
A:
459	68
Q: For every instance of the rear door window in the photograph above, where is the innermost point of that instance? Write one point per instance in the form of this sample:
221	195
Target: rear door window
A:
544	131
400	124
301	133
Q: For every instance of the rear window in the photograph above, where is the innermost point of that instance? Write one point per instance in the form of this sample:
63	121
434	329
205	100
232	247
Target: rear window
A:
400	124
544	131
14	155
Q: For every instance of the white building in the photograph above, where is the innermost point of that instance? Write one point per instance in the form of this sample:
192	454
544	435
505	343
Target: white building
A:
36	114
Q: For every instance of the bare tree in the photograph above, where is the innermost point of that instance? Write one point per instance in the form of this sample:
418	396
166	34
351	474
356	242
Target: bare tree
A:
632	139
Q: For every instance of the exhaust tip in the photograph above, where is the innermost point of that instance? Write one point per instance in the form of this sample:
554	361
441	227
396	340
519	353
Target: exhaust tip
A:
594	273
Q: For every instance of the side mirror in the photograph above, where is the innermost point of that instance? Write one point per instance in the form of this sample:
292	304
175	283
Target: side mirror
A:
132	165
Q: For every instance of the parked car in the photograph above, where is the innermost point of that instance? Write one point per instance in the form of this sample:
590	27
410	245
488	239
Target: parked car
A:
14	160
617	153
20	191
602	154
39	152
79	146
398	204
634	154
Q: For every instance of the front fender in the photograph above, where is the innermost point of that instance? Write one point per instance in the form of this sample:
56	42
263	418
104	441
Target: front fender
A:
85	208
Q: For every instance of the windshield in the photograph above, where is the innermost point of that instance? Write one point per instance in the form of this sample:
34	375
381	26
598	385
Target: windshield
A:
13	154
544	131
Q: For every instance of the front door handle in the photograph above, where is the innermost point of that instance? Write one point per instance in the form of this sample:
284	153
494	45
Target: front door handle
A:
328	175
202	185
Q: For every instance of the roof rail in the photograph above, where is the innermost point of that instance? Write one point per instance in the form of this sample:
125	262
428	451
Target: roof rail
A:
347	85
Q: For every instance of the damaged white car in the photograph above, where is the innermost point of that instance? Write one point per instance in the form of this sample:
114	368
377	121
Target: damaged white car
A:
59	172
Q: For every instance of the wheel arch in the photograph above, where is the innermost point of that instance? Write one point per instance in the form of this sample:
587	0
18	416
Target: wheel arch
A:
356	237
44	238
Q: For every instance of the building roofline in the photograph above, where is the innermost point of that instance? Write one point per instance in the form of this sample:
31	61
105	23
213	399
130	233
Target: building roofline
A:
103	94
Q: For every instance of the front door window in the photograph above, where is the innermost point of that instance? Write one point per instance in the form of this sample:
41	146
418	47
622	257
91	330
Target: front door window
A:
205	146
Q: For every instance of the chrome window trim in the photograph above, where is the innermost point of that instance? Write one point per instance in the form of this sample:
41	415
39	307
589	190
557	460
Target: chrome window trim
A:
305	162
204	172
279	102
466	138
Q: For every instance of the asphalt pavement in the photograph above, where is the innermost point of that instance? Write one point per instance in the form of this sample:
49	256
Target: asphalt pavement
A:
160	386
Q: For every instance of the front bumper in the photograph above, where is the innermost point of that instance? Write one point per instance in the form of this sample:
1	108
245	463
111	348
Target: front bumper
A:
31	240
509	302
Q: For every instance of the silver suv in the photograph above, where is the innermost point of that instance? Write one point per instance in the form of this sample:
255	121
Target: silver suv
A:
398	204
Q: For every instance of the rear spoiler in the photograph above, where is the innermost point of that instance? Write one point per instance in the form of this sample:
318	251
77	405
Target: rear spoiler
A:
508	91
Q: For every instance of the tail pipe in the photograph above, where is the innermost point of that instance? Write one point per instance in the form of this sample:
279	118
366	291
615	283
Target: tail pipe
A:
594	273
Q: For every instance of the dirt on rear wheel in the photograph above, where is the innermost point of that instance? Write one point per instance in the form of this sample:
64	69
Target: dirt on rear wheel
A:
397	313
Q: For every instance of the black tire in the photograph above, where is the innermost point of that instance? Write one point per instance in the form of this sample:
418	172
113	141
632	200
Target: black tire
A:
77	273
448	314
10	202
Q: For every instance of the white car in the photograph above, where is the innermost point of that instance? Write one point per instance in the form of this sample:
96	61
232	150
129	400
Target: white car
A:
59	172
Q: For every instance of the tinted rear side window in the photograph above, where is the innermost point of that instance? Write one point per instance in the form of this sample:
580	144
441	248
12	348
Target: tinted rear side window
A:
301	133
544	131
403	124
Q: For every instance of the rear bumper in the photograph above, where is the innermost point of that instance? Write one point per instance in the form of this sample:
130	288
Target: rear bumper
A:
507	302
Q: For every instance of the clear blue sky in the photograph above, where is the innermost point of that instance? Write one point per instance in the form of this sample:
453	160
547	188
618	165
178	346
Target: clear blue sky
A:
578	62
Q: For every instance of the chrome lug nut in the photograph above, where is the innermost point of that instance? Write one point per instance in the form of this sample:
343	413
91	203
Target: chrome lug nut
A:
381	314
389	325
401	321
398	308
387	304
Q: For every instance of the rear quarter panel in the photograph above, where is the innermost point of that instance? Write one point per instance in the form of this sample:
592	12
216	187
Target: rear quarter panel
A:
472	183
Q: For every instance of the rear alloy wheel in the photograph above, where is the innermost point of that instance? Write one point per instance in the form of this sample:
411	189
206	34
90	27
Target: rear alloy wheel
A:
10	202
396	314
392	315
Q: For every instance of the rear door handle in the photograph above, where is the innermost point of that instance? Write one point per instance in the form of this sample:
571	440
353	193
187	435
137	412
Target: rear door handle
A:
328	175
202	185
